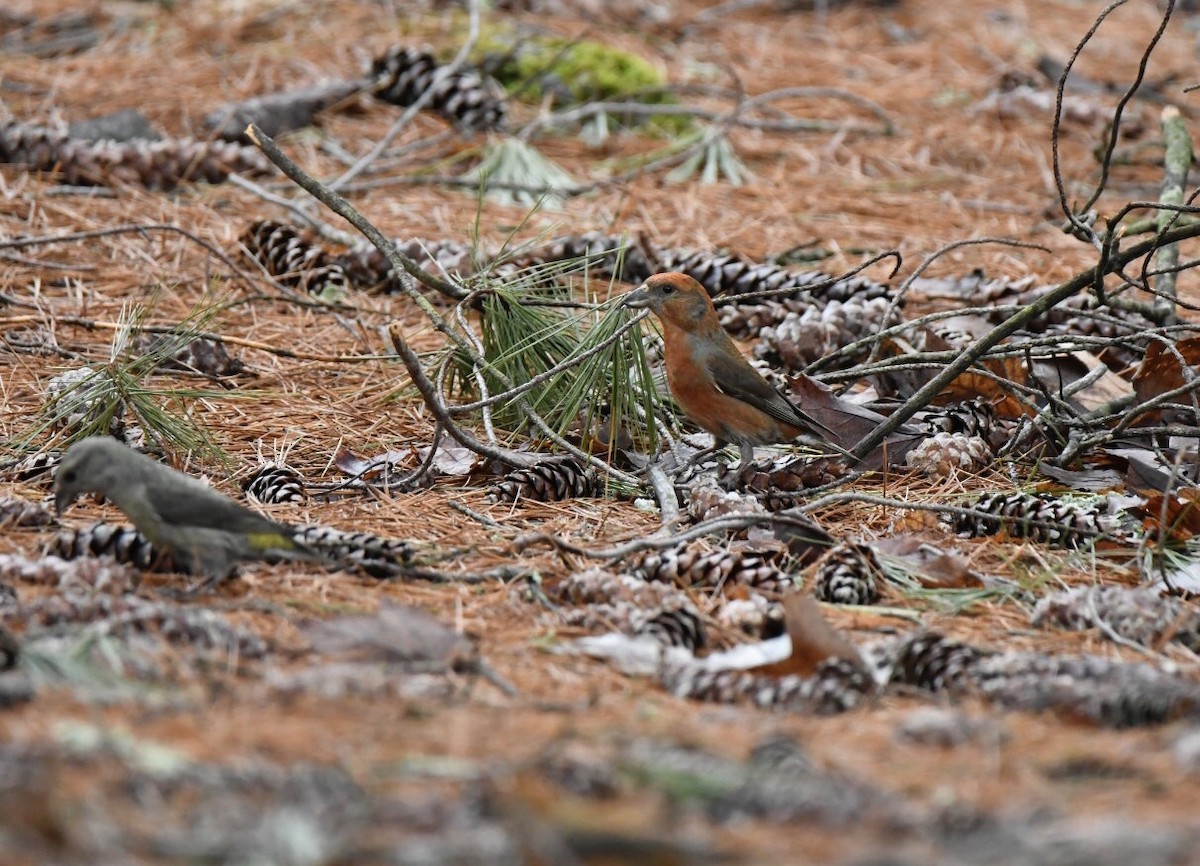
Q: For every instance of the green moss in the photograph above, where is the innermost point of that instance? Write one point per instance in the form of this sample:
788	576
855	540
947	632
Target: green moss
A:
576	72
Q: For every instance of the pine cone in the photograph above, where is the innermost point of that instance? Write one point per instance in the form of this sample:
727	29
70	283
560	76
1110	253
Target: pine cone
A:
747	319
685	566
548	481
944	455
777	476
402	75
123	543
21	512
93	574
157	165
837	685
678	627
294	260
597	586
367	268
202	355
82	398
1087	687
754	616
848	574
969	417
930	661
1138	614
1059	523
1080	315
272	483
731	275
801	338
38	466
706	499
608	256
375	556
127	614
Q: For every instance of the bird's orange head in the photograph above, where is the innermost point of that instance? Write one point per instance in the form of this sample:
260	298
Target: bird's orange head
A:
676	299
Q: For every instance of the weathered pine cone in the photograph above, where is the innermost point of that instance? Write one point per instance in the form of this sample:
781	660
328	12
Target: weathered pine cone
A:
272	483
156	165
293	259
464	97
848	574
548	481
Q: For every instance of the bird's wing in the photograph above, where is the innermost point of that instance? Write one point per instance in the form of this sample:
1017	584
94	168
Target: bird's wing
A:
180	500
735	377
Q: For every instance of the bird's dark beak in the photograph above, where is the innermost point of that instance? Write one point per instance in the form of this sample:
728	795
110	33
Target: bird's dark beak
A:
639	299
62	499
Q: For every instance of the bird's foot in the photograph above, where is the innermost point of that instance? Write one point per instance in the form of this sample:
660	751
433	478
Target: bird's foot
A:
207	584
732	479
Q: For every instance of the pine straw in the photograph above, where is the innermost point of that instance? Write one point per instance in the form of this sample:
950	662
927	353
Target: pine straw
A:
947	175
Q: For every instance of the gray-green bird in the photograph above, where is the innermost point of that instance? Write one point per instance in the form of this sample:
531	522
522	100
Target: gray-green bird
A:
205	531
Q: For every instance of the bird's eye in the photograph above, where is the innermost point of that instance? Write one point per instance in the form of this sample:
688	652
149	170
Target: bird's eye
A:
68	476
668	289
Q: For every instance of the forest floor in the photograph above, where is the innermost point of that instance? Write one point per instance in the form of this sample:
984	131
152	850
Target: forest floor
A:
244	760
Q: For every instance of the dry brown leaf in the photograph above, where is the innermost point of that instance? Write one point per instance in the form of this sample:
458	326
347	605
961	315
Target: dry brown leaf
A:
1063	370
813	639
1181	518
934	567
369	468
1143	469
1160	370
806	542
849	421
970	385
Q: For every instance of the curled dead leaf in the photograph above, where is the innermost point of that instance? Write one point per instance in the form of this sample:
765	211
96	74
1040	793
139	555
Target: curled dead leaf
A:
1175	517
814	640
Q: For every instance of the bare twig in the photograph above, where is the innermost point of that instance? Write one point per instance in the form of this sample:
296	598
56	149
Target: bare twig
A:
1081	229
793	519
925	395
400	262
279	351
664	492
144	228
424	99
1177	160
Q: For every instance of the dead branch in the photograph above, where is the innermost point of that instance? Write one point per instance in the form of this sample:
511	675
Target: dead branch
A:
1177	160
424	99
400	262
1015	322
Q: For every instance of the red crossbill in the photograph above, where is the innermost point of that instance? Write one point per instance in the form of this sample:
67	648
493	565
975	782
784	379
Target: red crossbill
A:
710	380
205	531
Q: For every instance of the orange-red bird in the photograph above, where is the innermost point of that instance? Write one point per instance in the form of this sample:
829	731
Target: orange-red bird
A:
710	380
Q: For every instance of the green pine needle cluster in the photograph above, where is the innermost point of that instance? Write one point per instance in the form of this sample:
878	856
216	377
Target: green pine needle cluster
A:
100	396
713	158
512	171
533	321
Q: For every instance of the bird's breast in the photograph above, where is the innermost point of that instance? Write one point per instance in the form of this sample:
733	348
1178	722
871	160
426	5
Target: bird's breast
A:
726	417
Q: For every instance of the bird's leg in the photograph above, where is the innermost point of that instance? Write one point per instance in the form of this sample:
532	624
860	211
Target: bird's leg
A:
702	455
211	567
208	584
205	584
734	480
687	468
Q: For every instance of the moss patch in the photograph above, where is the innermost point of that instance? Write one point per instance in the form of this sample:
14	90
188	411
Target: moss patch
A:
576	72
